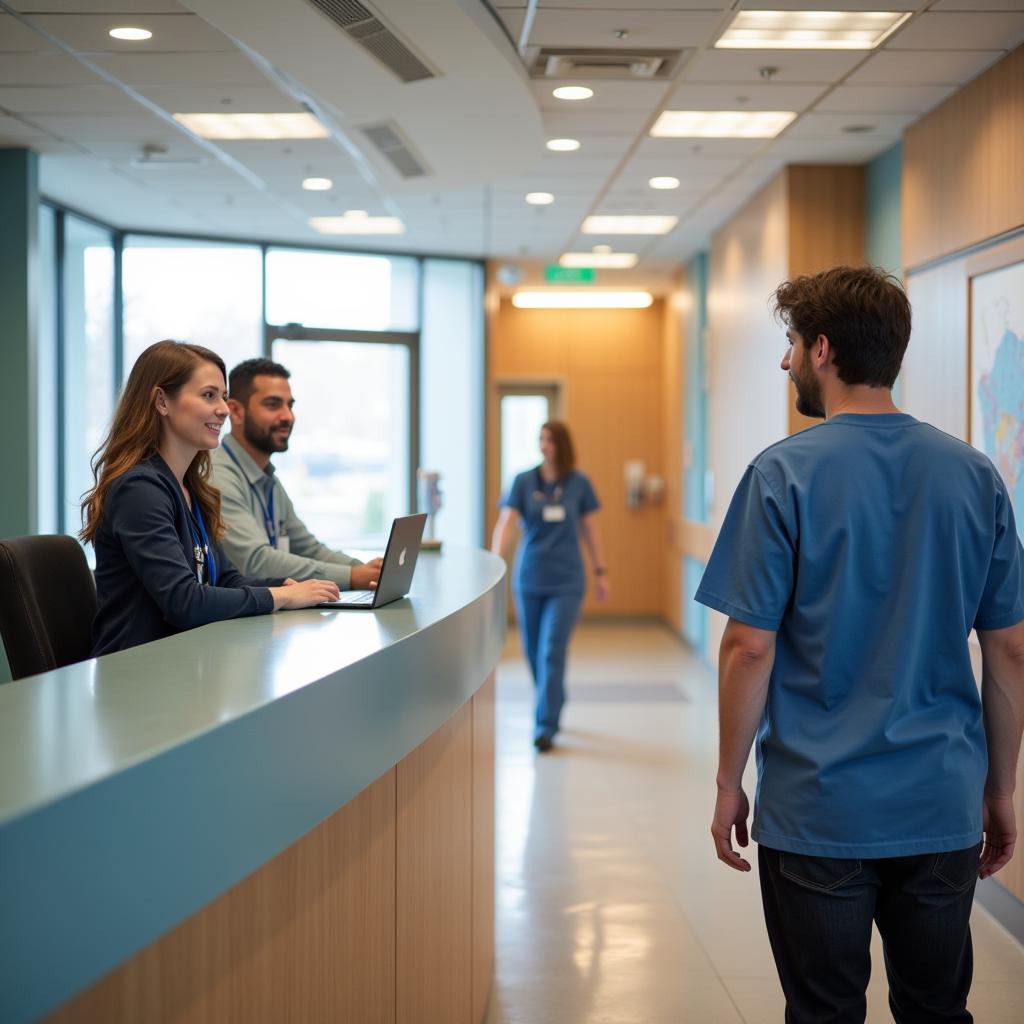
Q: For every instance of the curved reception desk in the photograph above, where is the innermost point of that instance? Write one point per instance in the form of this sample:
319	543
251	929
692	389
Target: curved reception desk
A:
284	818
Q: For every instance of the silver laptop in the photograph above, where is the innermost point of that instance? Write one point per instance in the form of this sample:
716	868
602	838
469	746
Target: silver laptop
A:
396	571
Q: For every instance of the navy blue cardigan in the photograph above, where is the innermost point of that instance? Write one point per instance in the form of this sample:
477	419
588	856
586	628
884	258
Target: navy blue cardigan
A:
146	585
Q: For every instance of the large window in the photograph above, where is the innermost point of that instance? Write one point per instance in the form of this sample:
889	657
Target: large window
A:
332	290
88	379
378	394
209	295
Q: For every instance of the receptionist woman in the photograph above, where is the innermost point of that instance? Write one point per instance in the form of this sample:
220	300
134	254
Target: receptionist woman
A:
556	505
153	518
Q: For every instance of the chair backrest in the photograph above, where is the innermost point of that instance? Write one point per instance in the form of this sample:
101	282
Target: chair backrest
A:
47	603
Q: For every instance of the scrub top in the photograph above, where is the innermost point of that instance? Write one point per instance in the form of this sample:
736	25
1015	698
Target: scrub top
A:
549	560
873	545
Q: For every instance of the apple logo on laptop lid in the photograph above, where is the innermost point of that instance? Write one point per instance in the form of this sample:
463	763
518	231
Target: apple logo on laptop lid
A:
401	557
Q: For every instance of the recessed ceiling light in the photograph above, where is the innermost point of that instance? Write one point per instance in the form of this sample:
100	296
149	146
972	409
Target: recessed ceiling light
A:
599	260
572	92
810	30
645	224
317	184
582	300
349	225
253	126
664	183
131	35
563	145
540	198
602	248
721	124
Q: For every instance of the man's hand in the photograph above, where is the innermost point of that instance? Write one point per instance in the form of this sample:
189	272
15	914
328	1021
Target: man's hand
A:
602	589
731	810
364	577
1000	824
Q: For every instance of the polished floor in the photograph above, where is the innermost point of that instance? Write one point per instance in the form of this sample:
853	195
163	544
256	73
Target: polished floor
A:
612	908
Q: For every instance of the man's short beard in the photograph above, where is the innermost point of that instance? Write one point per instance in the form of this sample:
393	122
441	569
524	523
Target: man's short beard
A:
263	441
808	404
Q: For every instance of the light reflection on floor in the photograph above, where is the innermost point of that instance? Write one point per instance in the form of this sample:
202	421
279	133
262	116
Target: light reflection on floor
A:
611	908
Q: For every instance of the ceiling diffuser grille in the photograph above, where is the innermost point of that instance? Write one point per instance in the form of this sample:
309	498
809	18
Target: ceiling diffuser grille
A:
365	28
638	65
394	148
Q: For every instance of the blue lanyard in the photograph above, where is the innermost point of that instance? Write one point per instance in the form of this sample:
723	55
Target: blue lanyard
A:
204	545
541	493
269	523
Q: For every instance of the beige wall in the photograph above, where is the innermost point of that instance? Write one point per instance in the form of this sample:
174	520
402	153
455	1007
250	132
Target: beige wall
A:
673	367
609	364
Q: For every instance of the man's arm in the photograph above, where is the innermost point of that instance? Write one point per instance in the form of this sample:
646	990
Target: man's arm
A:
1002	698
745	665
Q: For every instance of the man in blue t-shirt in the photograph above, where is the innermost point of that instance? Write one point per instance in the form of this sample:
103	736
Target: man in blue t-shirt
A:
854	561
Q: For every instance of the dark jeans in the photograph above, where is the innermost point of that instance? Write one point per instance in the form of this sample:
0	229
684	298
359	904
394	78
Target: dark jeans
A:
819	912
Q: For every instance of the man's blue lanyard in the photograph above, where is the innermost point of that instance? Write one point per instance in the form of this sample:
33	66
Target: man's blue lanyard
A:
202	541
269	523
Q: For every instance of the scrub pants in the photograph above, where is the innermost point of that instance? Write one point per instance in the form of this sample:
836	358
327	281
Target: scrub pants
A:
546	621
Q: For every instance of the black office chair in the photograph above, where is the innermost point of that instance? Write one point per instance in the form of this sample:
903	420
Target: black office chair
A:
47	603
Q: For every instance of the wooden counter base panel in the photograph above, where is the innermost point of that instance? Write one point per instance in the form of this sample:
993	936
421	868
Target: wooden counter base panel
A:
382	913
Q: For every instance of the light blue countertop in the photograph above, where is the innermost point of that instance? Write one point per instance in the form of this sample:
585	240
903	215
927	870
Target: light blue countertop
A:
137	787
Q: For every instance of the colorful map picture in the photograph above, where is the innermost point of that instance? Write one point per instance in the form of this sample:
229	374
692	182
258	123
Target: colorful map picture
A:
997	376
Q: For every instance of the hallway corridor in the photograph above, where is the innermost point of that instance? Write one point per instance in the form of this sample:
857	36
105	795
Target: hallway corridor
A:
611	907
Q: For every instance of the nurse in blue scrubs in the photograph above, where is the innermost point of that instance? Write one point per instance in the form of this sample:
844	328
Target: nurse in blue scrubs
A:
556	508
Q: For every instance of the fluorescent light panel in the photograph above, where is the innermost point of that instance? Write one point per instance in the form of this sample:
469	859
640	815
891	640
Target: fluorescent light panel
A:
540	198
599	260
317	184
253	126
356	225
581	300
810	30
721	124
645	224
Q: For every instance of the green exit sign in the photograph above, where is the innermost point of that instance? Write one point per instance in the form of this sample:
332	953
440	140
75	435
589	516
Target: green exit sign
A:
569	275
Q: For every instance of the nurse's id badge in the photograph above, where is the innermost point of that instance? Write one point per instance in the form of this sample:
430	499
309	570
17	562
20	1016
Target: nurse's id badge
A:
554	513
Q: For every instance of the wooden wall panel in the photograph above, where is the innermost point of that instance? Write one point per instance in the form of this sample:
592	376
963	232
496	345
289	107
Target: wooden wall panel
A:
962	165
310	936
609	365
826	229
434	877
483	846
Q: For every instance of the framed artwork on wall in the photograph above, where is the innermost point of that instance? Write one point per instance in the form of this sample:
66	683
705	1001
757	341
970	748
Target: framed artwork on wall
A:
996	366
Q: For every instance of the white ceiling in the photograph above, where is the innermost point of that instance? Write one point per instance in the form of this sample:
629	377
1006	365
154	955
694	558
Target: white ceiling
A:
89	104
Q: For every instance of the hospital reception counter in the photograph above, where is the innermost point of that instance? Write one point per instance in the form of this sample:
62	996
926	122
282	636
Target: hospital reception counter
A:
281	818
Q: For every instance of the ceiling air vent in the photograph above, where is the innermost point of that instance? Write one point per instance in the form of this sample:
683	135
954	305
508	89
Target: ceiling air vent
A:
366	29
395	149
639	65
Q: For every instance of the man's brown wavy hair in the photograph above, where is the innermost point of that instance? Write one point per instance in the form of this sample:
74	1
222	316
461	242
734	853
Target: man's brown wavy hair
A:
864	313
134	434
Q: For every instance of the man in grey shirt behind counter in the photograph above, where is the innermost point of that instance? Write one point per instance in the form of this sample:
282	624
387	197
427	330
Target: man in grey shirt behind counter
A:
264	535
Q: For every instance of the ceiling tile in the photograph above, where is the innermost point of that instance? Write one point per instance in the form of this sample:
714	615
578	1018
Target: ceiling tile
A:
972	5
235	99
43	69
579	123
831	151
88	33
56	99
646	28
833	5
175	68
826	126
100	6
791	66
976	31
608	95
758	97
918	67
16	37
883	99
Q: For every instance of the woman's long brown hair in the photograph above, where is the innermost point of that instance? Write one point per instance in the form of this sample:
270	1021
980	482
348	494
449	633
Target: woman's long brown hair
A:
565	455
134	433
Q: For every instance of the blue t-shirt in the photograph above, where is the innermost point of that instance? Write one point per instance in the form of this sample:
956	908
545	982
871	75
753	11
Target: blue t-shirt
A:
873	544
548	560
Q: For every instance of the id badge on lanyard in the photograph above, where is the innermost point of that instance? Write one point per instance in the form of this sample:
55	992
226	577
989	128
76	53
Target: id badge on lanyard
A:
553	511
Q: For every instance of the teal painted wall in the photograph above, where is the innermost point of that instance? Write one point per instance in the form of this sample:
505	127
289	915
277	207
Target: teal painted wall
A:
695	505
882	210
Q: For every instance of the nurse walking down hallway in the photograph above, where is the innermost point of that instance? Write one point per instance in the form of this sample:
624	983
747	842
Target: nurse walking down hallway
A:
556	508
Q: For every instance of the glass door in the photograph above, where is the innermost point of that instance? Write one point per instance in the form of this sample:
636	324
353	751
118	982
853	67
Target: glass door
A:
523	411
348	466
